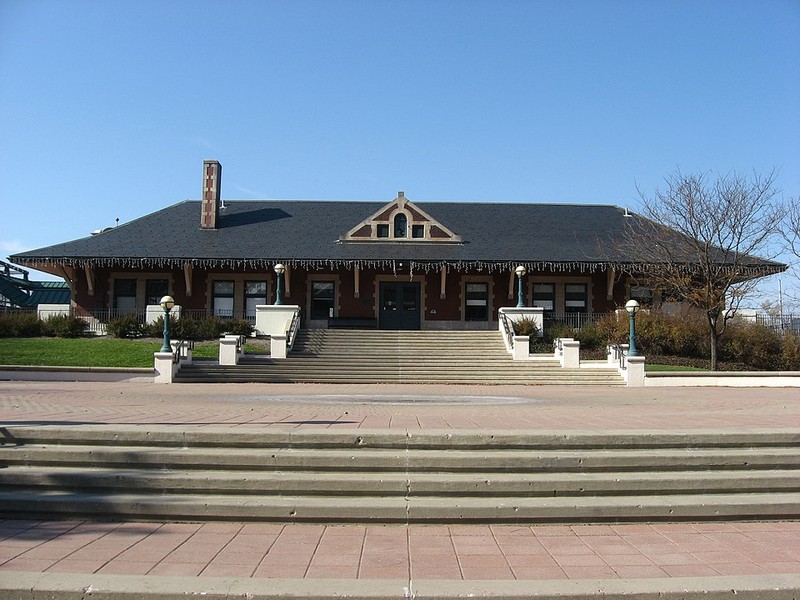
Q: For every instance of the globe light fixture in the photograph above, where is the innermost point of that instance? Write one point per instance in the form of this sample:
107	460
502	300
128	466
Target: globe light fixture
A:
167	303
279	270
520	271
632	306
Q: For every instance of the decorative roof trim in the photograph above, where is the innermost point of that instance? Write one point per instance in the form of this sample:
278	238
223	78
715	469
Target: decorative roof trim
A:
415	265
433	230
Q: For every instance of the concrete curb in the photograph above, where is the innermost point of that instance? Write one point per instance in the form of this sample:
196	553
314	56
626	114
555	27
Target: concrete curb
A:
48	373
62	586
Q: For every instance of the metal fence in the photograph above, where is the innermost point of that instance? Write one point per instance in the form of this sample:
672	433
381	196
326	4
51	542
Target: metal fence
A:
574	320
781	323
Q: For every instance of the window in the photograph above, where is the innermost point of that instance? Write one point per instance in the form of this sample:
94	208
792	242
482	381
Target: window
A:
223	298
544	296
125	294
322	299
418	231
400	225
477	302
255	293
643	295
575	297
383	231
155	289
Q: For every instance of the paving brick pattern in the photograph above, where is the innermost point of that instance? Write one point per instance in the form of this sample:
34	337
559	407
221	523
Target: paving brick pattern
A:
458	552
401	552
411	407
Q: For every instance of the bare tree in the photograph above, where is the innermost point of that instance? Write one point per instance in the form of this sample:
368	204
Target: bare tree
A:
791	235
700	240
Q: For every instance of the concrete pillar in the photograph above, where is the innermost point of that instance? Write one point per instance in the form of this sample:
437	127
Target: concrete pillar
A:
570	354
164	367
635	371
522	347
228	350
277	346
272	319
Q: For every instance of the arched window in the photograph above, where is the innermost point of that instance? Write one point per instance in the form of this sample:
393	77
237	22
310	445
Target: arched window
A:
400	225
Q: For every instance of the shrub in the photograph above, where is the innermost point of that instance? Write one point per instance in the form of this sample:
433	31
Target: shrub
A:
245	328
754	345
206	328
790	355
613	328
654	333
211	328
126	326
184	328
591	337
20	324
657	333
557	329
64	326
684	332
525	326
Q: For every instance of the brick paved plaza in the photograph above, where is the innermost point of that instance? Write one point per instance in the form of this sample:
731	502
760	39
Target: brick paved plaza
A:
403	553
534	408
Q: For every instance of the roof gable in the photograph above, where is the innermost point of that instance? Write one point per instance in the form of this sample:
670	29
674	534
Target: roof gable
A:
400	221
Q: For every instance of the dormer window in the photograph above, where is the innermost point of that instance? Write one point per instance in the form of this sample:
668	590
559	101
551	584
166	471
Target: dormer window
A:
402	221
400	225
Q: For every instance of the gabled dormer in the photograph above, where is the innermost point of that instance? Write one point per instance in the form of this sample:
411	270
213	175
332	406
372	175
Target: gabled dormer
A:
400	221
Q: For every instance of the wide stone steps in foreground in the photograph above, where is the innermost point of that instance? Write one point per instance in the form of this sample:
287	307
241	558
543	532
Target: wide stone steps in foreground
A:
363	356
360	476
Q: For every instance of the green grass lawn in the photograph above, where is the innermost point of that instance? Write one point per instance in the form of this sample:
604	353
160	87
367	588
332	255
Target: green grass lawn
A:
657	367
98	352
112	352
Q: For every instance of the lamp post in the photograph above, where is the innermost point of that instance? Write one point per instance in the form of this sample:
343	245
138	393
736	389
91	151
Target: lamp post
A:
520	271
632	306
167	302
279	269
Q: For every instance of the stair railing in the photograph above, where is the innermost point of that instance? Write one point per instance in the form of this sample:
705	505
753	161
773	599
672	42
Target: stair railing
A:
507	331
180	350
618	355
294	327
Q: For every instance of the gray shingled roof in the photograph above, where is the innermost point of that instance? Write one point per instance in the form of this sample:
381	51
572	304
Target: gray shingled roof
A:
306	232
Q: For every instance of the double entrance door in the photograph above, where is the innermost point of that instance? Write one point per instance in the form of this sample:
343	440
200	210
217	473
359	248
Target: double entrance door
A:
399	305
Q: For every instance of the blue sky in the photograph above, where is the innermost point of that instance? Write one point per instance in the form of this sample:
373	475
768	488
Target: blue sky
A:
109	108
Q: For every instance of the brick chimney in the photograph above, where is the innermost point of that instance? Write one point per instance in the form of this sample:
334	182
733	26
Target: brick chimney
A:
212	182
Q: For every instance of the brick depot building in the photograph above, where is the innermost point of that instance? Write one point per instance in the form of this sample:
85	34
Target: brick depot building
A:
395	265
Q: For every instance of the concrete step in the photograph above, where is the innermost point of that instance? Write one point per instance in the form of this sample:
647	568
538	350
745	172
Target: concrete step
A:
363	356
108	436
424	460
401	509
392	483
396	476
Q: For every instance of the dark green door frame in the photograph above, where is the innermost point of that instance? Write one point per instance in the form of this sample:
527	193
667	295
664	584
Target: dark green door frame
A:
399	306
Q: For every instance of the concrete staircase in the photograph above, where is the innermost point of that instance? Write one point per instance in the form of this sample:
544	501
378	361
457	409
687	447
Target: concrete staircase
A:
365	356
362	476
